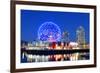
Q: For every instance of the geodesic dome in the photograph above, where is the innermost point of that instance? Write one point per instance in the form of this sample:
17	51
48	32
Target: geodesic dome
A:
49	31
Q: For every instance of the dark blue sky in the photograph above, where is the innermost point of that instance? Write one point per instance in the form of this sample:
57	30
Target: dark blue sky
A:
67	21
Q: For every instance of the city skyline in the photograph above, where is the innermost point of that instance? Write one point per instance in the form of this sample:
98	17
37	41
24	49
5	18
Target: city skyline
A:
67	21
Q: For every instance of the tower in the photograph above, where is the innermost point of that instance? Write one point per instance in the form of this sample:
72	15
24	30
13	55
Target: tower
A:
80	33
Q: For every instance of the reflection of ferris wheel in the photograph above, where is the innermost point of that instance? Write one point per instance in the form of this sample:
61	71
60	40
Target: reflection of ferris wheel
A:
49	31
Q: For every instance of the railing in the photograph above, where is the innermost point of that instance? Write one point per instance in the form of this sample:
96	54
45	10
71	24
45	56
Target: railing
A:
53	52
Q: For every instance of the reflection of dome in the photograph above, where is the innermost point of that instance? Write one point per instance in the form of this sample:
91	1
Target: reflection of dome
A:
49	31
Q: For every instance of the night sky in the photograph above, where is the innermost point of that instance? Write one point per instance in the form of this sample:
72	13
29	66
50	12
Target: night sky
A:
31	20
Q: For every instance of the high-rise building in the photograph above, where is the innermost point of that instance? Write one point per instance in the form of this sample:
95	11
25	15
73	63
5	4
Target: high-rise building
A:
80	33
65	36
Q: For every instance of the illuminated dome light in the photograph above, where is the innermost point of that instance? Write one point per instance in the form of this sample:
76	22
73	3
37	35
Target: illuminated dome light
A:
50	32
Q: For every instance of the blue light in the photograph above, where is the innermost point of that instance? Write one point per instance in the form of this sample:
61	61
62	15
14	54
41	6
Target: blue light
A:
50	32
